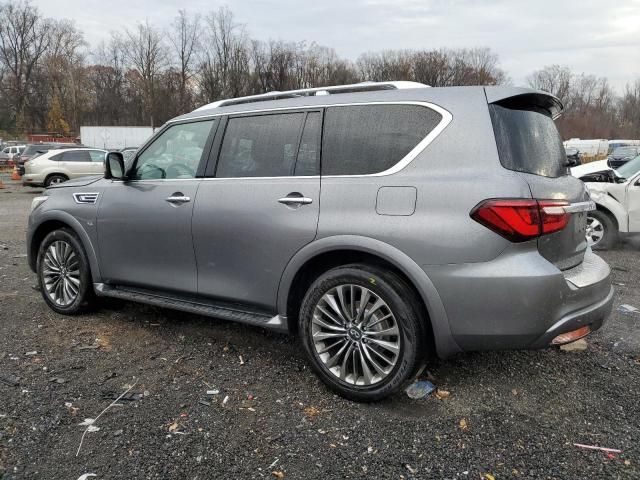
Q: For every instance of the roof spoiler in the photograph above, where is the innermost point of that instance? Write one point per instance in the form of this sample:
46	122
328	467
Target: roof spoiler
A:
525	98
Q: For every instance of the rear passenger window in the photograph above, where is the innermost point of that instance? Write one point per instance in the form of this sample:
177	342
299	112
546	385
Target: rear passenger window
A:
260	146
76	156
309	153
366	139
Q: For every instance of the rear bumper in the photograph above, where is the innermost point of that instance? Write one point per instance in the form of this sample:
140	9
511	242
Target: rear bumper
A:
32	180
520	300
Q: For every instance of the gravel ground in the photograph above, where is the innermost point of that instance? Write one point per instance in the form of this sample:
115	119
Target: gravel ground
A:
508	415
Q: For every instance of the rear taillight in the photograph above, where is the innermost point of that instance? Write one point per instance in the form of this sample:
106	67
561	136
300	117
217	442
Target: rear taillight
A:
519	220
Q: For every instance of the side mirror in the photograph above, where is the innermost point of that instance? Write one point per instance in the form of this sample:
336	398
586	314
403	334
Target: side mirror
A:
114	166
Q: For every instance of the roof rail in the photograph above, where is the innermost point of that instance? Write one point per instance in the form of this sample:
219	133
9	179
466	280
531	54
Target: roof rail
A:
307	92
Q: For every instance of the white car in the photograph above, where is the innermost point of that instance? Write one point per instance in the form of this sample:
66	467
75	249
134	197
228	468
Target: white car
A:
57	166
10	154
617	197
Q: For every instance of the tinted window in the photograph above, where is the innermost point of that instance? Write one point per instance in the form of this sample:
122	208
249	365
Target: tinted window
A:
365	139
528	141
76	156
260	146
308	162
176	153
97	155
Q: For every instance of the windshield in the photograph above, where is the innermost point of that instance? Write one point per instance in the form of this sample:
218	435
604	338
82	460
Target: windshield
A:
625	151
630	168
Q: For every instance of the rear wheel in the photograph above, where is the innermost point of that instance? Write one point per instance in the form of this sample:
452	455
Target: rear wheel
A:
602	231
361	330
55	179
63	273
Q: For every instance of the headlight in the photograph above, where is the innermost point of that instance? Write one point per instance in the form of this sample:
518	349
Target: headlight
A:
36	202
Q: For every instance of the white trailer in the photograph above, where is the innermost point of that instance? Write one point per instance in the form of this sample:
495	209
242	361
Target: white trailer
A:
114	138
590	150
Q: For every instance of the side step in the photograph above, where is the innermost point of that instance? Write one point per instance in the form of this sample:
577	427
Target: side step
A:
225	312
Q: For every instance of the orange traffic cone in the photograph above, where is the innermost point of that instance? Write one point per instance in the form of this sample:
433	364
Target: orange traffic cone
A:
2	185
16	174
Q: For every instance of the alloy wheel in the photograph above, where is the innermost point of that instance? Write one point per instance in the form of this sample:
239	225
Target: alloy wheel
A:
595	231
61	273
355	335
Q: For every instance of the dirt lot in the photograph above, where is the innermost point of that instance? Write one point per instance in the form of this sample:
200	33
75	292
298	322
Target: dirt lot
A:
509	414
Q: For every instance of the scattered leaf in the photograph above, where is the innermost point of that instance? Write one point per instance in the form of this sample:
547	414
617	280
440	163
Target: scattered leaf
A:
442	394
514	392
173	427
488	476
463	424
278	474
311	411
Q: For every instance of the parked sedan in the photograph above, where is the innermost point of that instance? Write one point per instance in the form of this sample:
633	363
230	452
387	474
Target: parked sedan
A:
622	155
57	166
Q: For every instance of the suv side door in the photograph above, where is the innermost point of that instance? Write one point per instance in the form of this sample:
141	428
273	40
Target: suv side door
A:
144	223
258	205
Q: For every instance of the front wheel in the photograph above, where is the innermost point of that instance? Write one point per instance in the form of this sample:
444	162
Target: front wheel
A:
602	231
361	330
64	274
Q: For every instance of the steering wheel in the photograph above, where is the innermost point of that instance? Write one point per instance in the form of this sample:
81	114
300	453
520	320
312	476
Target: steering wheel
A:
180	169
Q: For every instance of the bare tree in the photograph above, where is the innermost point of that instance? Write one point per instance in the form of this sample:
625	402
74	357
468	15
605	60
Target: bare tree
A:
147	55
185	41
24	39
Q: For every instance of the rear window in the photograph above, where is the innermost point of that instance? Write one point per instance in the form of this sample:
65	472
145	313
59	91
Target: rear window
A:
366	139
528	141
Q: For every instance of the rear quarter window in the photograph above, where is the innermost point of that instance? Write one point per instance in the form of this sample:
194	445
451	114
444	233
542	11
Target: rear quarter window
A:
368	139
528	141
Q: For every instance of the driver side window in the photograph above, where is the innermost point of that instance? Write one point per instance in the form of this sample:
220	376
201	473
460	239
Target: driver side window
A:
176	153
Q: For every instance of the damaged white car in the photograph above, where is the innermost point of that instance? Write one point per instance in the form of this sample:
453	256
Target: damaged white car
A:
617	197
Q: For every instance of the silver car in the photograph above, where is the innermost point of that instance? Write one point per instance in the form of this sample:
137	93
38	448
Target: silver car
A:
383	223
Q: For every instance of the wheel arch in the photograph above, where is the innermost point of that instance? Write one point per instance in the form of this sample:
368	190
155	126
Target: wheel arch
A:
324	254
51	174
54	220
610	206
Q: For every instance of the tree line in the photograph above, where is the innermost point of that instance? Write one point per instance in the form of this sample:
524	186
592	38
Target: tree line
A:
52	81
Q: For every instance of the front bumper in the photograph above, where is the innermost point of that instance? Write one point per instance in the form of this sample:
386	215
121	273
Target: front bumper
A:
520	300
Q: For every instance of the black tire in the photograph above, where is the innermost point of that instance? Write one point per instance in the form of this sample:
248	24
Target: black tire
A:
607	225
85	298
55	178
401	302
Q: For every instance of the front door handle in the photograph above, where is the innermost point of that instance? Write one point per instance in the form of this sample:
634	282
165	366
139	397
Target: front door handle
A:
178	198
295	198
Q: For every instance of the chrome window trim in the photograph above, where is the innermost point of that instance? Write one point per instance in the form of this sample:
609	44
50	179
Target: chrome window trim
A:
400	165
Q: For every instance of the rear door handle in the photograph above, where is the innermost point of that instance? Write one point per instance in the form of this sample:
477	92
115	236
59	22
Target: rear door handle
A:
178	199
295	199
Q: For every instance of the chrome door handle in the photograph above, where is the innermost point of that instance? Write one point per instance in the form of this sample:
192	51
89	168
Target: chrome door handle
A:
295	200
178	199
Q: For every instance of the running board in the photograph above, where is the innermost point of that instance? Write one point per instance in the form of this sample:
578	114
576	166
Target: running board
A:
277	323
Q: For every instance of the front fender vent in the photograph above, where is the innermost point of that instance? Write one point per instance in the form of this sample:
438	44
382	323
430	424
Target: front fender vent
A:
86	198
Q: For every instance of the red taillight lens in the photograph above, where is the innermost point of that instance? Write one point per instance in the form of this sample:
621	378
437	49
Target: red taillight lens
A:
519	220
553	215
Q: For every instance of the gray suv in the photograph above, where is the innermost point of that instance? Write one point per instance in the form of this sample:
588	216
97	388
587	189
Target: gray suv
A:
381	222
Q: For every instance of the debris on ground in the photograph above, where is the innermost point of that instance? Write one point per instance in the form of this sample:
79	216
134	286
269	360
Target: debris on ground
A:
31	353
278	474
488	476
226	399
420	389
463	424
90	422
129	397
86	475
627	309
10	380
215	391
442	394
577	346
311	411
57	380
594	447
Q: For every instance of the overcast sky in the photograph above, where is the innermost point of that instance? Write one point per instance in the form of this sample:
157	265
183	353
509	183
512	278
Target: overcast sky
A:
594	37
